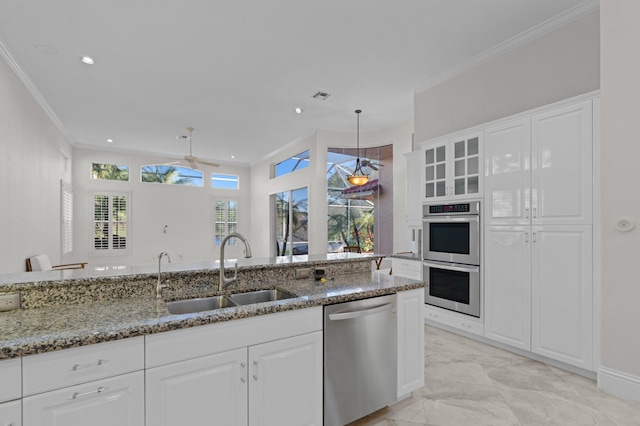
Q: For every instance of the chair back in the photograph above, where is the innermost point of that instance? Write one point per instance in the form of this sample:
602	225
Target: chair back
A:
351	249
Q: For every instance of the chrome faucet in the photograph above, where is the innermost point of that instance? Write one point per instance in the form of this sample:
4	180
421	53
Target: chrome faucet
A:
224	281
160	286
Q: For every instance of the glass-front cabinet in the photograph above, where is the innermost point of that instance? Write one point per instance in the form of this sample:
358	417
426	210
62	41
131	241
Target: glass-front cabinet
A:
453	167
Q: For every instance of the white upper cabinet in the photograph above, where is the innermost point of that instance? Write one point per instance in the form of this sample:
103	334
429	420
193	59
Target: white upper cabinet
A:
453	167
413	184
508	175
539	169
562	165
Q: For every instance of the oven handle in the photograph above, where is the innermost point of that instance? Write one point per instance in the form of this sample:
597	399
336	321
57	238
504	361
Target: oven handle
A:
452	266
441	219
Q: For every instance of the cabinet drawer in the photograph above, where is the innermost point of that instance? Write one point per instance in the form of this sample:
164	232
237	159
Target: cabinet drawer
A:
55	370
10	372
408	265
108	402
11	413
455	320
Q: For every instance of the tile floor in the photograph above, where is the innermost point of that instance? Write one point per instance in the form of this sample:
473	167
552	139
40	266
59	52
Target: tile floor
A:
469	383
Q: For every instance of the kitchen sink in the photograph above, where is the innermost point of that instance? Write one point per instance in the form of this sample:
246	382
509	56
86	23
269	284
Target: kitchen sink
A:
188	306
198	305
260	296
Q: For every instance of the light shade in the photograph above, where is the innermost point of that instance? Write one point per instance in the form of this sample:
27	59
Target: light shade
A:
358	180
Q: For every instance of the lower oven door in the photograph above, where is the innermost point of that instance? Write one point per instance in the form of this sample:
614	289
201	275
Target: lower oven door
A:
453	286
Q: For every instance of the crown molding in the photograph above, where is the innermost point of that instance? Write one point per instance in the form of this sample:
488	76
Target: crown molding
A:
33	90
585	8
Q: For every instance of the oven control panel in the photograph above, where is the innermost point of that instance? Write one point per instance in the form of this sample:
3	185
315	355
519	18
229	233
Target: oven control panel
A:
460	208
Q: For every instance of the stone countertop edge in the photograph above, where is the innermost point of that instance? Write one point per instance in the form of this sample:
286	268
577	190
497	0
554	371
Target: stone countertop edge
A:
50	328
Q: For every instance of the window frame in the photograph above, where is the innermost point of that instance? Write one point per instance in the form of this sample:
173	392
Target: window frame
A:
226	200
111	251
237	181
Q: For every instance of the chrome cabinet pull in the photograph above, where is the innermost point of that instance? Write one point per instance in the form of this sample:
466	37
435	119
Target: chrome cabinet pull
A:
244	369
255	371
526	213
92	364
535	212
534	237
526	237
77	395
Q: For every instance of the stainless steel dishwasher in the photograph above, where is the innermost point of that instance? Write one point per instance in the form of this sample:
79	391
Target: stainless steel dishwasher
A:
360	357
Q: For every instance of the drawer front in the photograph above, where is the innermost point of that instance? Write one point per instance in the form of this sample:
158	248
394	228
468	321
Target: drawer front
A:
189	343
10	372
11	413
117	401
409	265
55	370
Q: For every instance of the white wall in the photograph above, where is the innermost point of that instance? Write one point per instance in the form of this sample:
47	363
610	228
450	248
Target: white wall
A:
31	168
556	66
315	178
186	211
620	93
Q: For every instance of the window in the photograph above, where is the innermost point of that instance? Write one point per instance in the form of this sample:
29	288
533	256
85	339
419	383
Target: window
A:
66	218
109	172
297	162
291	227
225	220
110	223
171	175
225	181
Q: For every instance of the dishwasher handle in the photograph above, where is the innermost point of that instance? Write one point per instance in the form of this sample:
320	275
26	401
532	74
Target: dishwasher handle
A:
360	313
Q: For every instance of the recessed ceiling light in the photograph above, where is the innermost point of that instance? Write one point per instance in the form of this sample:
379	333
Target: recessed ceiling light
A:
233	156
110	140
87	60
299	110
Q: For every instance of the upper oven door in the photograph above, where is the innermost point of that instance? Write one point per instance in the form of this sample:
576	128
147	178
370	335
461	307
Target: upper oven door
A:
453	239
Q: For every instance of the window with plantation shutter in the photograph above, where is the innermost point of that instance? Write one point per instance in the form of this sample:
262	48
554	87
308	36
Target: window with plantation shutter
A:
66	218
110	223
225	219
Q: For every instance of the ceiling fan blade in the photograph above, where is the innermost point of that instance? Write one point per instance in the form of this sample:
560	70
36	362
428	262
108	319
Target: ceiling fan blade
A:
208	163
193	161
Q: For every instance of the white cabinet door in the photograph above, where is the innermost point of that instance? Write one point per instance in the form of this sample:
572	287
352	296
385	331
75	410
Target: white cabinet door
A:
285	382
413	182
562	299
204	391
11	413
11	374
115	401
410	340
508	285
508	176
453	167
562	169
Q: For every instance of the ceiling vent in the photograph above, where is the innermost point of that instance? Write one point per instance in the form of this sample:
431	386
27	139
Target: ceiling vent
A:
321	96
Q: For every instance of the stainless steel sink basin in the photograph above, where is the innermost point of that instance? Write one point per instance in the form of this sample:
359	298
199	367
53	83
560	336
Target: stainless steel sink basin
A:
198	305
260	296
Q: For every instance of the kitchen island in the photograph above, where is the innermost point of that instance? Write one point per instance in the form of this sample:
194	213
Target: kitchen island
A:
108	338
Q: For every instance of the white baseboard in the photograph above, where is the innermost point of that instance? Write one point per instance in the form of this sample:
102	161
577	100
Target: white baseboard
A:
619	383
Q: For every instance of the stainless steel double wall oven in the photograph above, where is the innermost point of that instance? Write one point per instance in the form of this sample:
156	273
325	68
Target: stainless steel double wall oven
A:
451	256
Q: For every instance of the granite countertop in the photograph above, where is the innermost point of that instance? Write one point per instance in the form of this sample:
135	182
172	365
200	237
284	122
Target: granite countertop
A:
50	328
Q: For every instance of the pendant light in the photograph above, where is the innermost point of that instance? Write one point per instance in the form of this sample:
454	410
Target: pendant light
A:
358	178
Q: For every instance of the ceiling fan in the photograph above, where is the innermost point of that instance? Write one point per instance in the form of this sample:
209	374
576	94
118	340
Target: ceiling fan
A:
193	161
367	163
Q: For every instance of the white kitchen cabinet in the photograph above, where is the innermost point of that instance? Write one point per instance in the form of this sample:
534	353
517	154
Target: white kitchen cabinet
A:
562	294
11	413
11	374
539	168
114	401
508	285
452	167
203	391
410	319
413	184
407	268
538	290
285	382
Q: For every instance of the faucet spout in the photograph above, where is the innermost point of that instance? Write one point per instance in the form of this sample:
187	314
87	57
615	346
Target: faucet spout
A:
159	285
226	281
